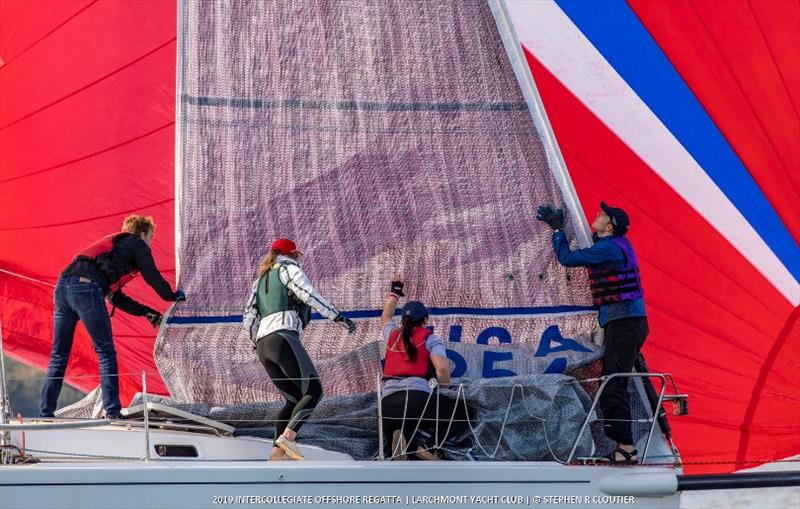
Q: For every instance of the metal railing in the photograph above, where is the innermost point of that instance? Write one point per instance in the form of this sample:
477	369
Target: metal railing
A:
6	456
664	377
146	418
439	439
6	426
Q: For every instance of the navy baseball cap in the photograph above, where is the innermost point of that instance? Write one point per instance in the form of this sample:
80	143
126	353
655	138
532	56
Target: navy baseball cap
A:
619	219
416	310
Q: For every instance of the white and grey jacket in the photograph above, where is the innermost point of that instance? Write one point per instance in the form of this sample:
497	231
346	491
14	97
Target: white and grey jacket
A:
297	283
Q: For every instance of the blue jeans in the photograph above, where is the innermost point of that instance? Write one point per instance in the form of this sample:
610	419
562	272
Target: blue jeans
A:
74	300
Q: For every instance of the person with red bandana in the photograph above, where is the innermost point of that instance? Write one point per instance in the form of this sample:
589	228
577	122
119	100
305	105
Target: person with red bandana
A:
101	271
617	292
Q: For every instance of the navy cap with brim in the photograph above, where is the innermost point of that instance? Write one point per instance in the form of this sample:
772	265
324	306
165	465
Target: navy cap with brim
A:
415	309
619	218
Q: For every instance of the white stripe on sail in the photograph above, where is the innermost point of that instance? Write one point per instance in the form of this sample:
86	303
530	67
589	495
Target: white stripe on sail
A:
546	31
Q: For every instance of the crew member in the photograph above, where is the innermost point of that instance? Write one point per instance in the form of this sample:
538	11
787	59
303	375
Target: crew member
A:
284	298
102	270
414	354
617	292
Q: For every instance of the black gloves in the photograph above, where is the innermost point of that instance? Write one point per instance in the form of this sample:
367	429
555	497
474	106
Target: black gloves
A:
555	218
179	296
346	323
397	288
154	317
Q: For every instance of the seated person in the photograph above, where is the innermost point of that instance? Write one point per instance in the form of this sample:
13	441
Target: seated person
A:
413	355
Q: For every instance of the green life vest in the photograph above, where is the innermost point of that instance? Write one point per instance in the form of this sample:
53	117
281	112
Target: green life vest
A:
273	297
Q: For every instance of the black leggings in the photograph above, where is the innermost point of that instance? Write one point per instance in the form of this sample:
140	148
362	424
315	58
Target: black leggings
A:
623	340
293	373
397	415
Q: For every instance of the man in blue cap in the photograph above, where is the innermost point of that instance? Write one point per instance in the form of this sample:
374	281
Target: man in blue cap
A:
617	292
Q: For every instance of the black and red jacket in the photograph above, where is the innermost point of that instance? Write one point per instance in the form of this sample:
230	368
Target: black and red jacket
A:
114	261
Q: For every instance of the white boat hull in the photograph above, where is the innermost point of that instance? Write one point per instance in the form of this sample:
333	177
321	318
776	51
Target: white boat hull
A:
119	466
122	442
200	484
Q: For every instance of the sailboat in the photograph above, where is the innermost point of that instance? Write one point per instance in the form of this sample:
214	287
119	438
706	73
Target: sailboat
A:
393	138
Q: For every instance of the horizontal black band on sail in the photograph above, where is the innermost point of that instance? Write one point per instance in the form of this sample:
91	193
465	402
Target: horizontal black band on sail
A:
304	104
357	314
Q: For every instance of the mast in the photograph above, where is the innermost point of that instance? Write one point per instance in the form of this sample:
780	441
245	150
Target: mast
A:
555	160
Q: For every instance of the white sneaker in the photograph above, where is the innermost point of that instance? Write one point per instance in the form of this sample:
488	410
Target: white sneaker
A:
290	447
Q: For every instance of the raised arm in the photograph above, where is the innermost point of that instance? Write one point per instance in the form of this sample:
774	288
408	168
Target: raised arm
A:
391	302
599	253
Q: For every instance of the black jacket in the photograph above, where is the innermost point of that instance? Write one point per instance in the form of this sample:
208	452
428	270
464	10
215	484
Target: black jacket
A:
129	253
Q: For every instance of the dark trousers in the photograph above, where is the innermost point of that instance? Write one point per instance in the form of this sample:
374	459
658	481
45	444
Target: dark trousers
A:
74	300
623	340
293	373
399	413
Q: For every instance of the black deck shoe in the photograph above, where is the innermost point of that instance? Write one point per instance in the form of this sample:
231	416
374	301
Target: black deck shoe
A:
628	458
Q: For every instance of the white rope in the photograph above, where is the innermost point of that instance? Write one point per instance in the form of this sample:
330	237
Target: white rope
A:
460	396
438	444
502	427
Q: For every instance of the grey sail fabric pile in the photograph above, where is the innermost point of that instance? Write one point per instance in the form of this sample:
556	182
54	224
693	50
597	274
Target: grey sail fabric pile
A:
523	418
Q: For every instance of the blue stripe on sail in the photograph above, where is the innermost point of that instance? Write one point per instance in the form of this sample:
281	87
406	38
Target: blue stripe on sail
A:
615	31
376	313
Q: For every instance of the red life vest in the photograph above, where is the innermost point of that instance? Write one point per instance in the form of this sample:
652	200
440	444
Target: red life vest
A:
397	362
103	247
